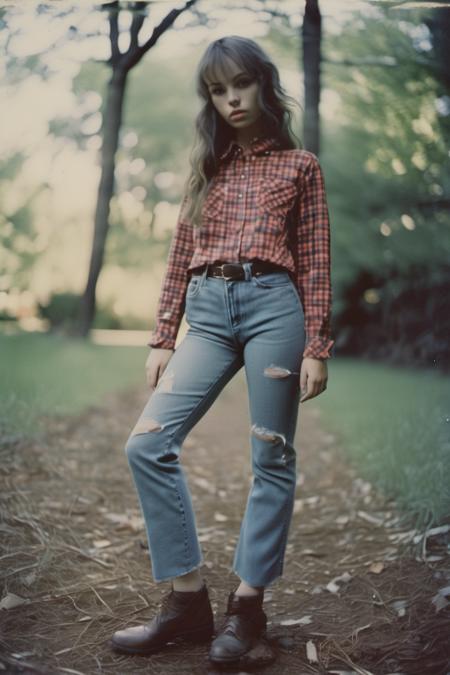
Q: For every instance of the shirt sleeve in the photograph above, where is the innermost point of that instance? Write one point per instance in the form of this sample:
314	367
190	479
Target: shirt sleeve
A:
171	303
314	264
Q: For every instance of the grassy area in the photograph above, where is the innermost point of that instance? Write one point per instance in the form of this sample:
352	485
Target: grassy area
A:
394	423
51	374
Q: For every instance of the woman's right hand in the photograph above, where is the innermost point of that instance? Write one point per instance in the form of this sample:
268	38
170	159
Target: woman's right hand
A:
156	364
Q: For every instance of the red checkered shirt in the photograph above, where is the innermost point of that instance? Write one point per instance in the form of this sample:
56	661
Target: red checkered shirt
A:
245	216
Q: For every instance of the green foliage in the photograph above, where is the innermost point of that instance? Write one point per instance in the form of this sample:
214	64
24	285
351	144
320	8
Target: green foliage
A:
159	107
61	310
106	318
388	180
18	248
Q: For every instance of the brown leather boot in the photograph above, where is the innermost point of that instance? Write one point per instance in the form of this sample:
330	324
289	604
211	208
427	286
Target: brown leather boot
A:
187	615
244	624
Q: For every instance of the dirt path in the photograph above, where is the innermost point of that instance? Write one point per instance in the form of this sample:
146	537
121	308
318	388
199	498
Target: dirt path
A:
74	559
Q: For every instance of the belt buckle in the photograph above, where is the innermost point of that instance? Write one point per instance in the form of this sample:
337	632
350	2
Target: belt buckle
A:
227	278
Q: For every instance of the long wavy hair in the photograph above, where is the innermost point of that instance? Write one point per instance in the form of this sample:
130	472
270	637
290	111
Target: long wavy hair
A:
213	134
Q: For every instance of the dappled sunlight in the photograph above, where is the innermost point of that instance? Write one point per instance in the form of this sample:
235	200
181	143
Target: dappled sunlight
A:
19	129
398	167
372	296
165	219
118	338
131	293
407	222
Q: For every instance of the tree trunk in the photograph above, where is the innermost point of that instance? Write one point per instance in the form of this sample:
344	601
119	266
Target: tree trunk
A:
121	64
311	36
111	121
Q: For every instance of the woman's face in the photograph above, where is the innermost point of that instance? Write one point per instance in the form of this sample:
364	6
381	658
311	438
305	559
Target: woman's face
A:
236	91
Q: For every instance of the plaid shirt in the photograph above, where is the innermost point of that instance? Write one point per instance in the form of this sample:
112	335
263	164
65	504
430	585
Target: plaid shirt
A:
245	216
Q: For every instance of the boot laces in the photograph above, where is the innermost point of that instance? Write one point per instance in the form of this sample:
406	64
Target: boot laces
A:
228	623
231	619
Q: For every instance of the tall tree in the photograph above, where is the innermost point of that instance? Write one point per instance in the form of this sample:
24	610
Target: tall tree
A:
311	34
120	63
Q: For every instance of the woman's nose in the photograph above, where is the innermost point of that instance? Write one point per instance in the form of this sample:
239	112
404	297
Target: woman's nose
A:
233	98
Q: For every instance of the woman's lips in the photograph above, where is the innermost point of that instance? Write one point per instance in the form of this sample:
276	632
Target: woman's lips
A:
237	114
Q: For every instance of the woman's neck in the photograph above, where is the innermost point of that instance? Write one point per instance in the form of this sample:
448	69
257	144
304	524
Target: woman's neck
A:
245	137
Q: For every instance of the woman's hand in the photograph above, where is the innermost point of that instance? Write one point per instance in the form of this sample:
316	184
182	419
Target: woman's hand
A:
313	377
156	364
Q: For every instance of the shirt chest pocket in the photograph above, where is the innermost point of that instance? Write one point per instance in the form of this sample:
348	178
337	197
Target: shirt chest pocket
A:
214	204
275	198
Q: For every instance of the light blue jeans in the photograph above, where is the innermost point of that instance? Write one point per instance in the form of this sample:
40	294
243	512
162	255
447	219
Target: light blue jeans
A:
257	323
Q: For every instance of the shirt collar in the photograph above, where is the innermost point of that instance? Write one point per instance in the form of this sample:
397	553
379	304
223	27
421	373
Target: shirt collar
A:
258	145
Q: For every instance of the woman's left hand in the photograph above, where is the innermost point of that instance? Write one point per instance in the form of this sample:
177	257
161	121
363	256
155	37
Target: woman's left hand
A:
313	378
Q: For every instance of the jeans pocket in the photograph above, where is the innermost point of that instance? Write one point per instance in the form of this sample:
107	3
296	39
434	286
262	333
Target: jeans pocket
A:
273	280
194	285
298	299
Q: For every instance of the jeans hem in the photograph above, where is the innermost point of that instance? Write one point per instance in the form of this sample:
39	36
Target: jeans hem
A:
258	582
174	576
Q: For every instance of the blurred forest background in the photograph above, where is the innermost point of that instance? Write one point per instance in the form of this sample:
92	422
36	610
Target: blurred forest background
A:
98	102
384	146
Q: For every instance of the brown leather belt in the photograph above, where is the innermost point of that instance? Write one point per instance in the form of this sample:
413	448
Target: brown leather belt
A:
236	270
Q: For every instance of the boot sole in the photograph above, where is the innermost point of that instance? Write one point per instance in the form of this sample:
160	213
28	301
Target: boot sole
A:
235	660
196	636
232	660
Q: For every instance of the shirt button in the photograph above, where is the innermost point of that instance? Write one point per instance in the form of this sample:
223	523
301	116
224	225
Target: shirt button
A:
242	175
240	194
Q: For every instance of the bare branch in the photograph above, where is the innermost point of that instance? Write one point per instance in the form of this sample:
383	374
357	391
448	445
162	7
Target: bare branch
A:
135	56
136	24
113	8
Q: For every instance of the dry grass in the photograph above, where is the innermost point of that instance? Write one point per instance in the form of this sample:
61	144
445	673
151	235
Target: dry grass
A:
74	555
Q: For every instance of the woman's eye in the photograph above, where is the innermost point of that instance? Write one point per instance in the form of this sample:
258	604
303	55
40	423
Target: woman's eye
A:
245	82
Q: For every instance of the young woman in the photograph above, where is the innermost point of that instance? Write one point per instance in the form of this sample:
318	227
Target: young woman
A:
250	264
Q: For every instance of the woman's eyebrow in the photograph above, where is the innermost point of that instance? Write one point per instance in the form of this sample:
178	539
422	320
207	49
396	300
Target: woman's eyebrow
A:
236	76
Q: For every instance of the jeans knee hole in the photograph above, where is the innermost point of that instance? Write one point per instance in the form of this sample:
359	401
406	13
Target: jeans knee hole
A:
168	457
145	426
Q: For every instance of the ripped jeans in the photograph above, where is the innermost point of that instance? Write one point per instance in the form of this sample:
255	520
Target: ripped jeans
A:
257	323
